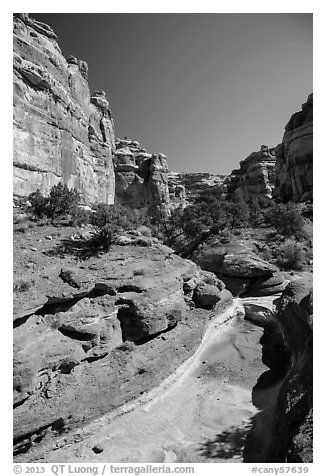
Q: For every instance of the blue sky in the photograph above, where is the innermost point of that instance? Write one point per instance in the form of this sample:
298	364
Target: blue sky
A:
204	89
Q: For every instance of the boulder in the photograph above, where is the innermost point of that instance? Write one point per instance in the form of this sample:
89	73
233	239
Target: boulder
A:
246	266
267	285
206	296
123	240
241	270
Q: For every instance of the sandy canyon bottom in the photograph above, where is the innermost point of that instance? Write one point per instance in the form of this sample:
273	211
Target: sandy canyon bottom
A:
202	413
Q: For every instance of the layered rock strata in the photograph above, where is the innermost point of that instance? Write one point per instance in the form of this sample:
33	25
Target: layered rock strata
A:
243	272
61	131
141	177
185	188
294	165
256	175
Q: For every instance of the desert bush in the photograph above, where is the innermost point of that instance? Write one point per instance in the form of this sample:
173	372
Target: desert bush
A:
79	216
291	255
140	272
21	285
110	220
38	203
287	219
256	212
60	201
102	238
127	346
21	228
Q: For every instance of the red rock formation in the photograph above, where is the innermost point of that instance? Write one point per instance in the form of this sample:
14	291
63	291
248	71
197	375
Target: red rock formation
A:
294	165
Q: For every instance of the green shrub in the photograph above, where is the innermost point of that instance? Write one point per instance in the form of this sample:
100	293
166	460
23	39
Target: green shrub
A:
127	346
21	228
38	203
110	220
21	285
60	201
79	216
139	272
291	255
287	219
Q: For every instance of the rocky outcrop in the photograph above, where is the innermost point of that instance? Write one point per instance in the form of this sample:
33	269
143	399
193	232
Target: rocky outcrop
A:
67	340
287	351
292	426
243	272
185	188
141	178
256	175
294	165
61	131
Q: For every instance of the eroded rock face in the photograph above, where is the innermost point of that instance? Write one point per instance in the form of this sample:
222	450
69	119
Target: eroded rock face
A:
294	165
243	272
141	178
61	131
256	175
287	351
185	188
292	428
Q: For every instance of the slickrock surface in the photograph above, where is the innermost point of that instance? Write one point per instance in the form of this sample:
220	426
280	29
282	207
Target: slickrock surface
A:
61	131
200	413
141	178
294	165
256	175
72	361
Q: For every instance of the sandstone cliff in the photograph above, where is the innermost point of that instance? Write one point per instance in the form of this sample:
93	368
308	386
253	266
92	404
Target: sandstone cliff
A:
294	165
141	178
61	131
256	175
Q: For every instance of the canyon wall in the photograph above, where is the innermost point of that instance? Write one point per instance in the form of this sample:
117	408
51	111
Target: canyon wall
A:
256	175
61	131
294	164
293	423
